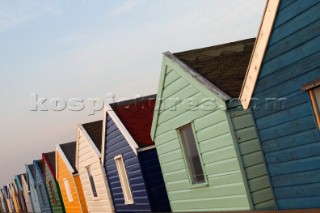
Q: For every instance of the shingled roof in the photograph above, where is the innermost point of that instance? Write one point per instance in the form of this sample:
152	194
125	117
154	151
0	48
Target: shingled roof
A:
69	150
223	65
51	157
94	130
136	115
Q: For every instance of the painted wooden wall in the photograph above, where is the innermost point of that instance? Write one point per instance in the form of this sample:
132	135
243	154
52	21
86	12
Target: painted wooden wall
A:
59	206
8	199
26	194
3	201
226	189
19	193
41	188
253	161
154	182
78	204
19	188
289	136
116	144
32	187
14	198
88	157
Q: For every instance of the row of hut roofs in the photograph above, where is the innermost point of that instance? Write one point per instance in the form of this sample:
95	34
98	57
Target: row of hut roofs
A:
219	154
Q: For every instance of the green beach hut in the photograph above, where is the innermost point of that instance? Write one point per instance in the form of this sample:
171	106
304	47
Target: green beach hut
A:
208	148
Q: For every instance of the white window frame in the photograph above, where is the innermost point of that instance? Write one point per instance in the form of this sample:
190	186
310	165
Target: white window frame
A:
89	172
315	105
68	189
124	181
185	156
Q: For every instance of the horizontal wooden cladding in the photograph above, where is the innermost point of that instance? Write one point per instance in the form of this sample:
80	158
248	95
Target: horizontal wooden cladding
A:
212	131
63	173
116	144
88	157
267	211
289	135
252	159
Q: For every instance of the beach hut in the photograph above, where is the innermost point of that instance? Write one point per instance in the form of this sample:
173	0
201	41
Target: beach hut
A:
53	189
14	198
32	186
19	193
88	163
8	198
130	158
3	201
208	147
283	86
40	187
26	192
68	178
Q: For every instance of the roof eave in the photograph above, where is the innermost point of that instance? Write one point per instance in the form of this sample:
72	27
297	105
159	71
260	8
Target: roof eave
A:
207	84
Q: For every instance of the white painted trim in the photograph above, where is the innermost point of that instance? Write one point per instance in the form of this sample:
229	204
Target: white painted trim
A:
68	190
29	173
25	183
92	145
77	147
258	52
89	172
124	180
103	145
65	160
147	148
134	146
207	84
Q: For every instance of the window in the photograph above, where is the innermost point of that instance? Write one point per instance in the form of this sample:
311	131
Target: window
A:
315	99
191	153
54	200
124	180
92	184
68	190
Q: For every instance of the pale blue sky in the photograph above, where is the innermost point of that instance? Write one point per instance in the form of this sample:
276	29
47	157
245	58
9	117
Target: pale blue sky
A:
89	48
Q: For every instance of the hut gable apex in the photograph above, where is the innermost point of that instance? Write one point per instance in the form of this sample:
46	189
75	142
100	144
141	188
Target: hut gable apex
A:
65	160
208	70
90	134
48	160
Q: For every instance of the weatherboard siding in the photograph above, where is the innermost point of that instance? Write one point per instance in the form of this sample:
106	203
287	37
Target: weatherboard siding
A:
288	133
226	188
26	194
78	204
14	199
43	197
252	158
87	157
33	193
58	207
3	202
154	182
116	144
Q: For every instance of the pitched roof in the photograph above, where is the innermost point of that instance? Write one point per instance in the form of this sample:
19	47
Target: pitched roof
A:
51	157
39	162
136	115
31	167
94	130
69	150
223	65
